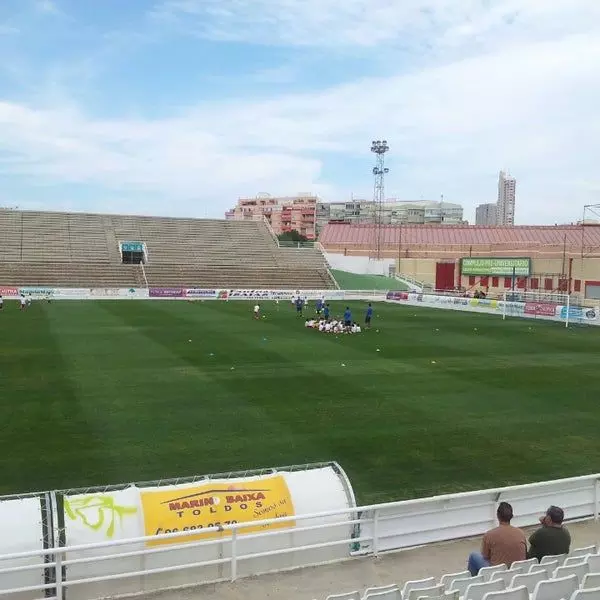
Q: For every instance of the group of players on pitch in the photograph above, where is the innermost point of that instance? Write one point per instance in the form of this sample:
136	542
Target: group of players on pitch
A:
23	302
323	321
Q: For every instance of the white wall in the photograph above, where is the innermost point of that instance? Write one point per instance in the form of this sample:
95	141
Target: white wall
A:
361	265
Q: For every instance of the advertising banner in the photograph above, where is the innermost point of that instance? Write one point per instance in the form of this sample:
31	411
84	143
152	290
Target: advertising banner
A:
580	312
201	293
396	296
520	267
9	291
167	293
216	503
36	292
540	308
71	293
251	294
105	292
483	302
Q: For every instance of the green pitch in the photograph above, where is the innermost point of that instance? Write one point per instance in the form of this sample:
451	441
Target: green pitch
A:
108	392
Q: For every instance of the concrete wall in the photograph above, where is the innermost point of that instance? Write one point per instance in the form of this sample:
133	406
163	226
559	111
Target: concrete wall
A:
580	271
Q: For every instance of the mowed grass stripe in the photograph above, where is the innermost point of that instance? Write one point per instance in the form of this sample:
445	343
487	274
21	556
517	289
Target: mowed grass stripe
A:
47	436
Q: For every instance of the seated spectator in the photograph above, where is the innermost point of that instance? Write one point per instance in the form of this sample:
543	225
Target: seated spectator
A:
552	537
503	545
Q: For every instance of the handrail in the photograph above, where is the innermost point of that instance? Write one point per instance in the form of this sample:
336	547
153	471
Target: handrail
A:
144	274
308	516
270	229
320	248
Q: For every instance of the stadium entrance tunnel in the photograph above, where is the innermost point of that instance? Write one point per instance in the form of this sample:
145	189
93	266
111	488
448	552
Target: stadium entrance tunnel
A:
133	258
133	253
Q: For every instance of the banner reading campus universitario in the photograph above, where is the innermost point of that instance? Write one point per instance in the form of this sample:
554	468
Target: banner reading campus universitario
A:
213	504
520	267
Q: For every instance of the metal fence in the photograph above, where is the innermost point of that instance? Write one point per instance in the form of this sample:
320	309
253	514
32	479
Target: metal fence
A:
368	530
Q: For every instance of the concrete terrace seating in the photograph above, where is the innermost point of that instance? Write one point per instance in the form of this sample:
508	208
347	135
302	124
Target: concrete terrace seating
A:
82	250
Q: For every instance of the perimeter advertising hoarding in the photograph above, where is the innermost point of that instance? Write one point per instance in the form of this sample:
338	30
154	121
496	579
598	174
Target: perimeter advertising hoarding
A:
216	504
166	292
507	267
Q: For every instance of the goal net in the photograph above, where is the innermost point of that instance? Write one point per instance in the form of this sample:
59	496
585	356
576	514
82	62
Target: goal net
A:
539	305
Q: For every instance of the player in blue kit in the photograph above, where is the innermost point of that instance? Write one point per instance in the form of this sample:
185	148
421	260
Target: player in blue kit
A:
326	312
347	317
319	306
368	316
299	304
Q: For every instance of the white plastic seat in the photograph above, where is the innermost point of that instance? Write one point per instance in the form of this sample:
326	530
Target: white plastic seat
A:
506	576
591	580
434	590
593	562
448	578
575	560
559	558
547	568
445	596
529	580
582	551
580	570
347	596
392	594
586	594
524	565
519	593
462	584
487	572
417	584
555	589
476	591
381	588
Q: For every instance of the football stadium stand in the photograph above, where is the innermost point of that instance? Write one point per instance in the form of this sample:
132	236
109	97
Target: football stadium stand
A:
563	258
84	250
430	241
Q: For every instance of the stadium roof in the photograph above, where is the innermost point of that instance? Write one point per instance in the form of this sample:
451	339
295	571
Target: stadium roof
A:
462	235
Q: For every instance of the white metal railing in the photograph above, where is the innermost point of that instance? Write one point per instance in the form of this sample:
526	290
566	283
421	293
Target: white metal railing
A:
270	229
410	280
297	245
144	274
368	530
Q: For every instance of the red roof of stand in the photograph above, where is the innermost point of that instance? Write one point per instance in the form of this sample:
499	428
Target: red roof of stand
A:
463	235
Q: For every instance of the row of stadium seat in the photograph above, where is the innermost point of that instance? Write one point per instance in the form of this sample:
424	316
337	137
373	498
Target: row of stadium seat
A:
58	249
575	577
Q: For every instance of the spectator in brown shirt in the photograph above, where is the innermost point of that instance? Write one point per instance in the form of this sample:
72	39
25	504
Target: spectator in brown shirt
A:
502	545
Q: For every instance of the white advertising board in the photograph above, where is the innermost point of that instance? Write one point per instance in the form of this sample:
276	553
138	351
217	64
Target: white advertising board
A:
148	511
22	531
102	517
537	310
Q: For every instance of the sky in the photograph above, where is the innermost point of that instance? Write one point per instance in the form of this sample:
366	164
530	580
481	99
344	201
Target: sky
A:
179	107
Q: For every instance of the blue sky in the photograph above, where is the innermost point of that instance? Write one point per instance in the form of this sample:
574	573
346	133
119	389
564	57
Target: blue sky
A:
181	106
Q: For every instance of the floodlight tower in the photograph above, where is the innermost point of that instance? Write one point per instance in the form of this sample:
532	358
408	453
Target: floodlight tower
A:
379	148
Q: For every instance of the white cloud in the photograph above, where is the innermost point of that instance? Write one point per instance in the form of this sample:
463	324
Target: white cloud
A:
529	104
369	23
47	6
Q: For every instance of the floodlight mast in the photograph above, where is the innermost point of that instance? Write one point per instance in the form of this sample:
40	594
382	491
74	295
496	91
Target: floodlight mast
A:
379	148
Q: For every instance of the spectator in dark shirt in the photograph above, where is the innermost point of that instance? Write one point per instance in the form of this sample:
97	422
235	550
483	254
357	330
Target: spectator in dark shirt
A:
552	537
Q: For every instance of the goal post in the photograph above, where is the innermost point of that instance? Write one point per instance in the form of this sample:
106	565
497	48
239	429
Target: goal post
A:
537	305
